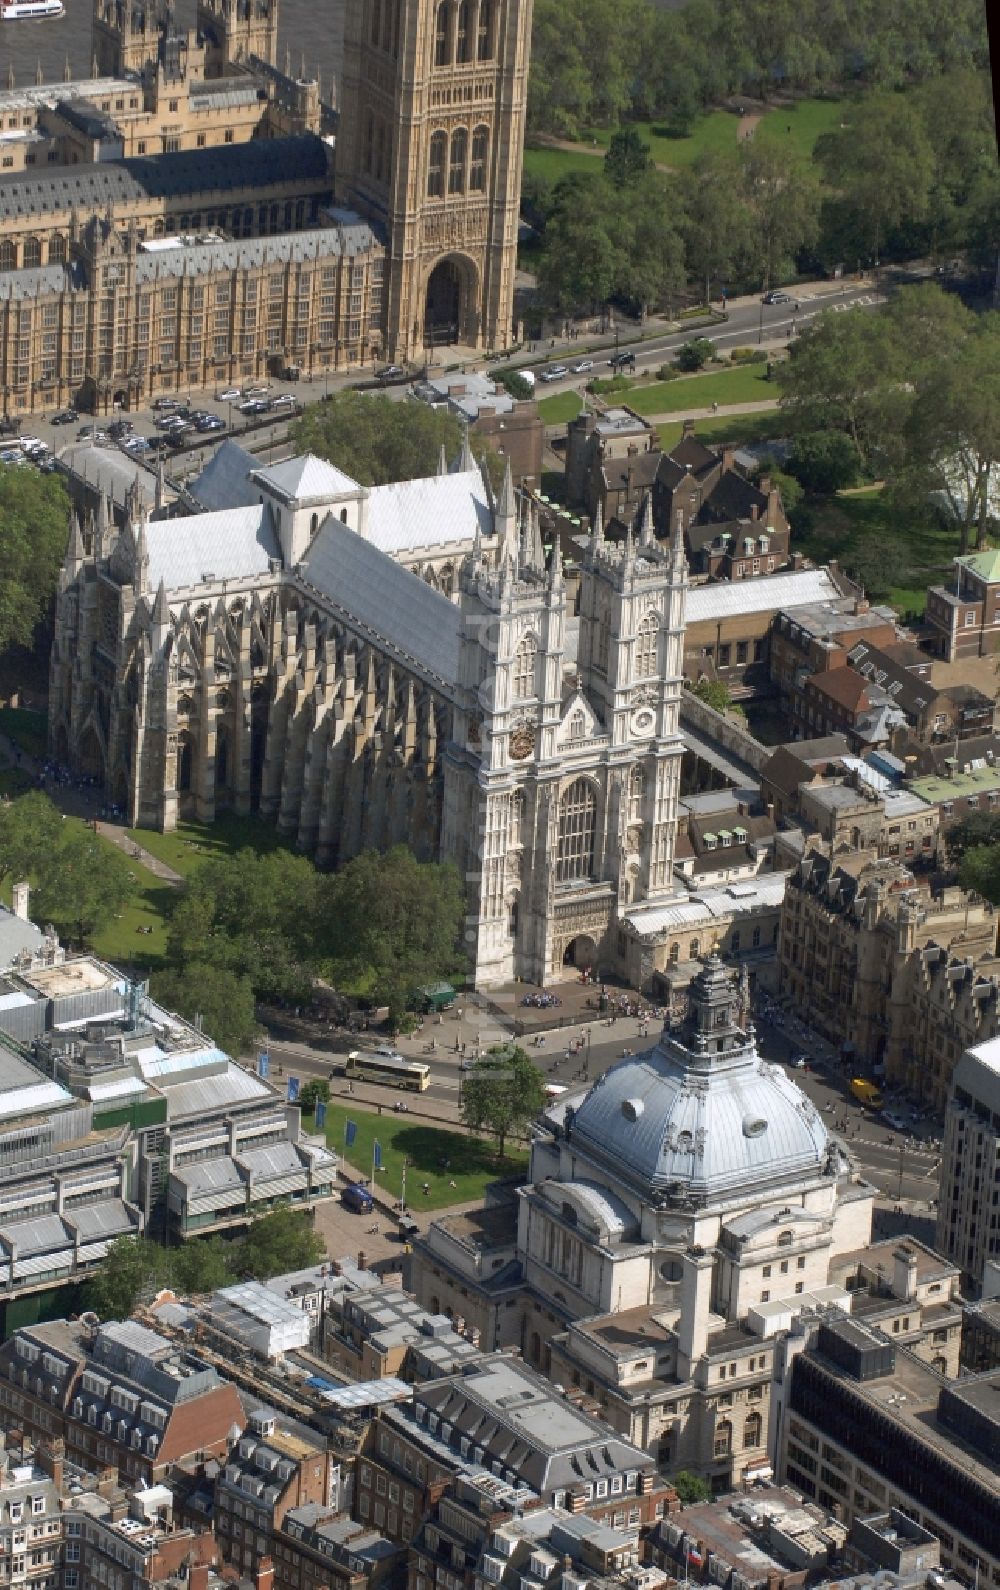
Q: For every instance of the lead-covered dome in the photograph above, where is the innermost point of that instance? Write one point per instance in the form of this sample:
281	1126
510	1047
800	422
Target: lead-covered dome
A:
701	1114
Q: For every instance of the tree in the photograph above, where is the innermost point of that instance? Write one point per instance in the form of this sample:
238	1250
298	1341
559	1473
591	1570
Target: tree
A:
315	1092
824	462
980	872
30	829
846	372
690	1487
393	924
628	158
514	383
502	1093
584	253
952	434
714	693
714	217
33	510
375	440
254	916
82	884
222	999
881	166
979	828
131	1268
781	193
695	353
280	1241
201	1265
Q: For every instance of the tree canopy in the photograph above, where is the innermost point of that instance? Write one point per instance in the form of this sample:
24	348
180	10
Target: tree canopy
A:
375	439
33	520
502	1093
135	1268
979	871
222	999
81	884
31	828
915	391
393	923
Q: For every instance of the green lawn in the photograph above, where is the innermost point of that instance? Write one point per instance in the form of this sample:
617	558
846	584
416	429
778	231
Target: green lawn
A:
473	1163
550	165
716	130
26	729
842	526
190	843
744	384
808	119
560	408
726	428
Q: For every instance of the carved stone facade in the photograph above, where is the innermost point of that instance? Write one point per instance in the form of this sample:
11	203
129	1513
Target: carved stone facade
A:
433	102
315	680
210	234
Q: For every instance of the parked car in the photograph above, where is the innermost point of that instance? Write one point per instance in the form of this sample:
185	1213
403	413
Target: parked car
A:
31	444
895	1121
11	455
390	372
162	405
285	400
120	429
209	422
232	394
255	406
776	296
65	417
799	1062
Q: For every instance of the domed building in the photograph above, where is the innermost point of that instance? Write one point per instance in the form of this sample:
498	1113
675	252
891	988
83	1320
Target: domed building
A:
678	1215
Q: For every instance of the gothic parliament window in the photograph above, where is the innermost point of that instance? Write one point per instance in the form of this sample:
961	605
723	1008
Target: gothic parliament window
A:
577	829
456	168
441	35
524	668
636	791
435	171
485	49
462	40
646	647
477	166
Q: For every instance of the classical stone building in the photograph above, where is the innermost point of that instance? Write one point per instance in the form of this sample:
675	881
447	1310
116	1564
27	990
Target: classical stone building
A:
190	224
276	655
679	1214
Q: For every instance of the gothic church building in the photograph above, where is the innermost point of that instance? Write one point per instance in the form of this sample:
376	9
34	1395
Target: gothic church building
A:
395	664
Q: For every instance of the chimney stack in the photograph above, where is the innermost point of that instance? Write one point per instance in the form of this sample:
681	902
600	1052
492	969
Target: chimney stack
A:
198	1576
696	1291
265	1574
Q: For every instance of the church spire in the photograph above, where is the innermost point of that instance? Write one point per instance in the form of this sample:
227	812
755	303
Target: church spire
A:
505	518
597	529
466	459
647	535
76	552
678	559
442	461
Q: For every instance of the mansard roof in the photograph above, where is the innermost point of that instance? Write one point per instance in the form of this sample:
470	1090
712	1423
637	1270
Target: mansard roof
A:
405	614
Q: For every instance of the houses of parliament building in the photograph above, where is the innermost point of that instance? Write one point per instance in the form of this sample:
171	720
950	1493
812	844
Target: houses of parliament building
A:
194	214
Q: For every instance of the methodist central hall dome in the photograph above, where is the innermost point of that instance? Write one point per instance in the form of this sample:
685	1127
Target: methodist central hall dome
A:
701	1115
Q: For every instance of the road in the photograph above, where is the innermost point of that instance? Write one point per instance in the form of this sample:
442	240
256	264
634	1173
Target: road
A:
903	1169
745	326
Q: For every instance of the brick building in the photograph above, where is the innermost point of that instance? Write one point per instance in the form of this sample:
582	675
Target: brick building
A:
276	1465
963	619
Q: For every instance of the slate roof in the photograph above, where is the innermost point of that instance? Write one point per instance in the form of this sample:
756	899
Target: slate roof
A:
306	479
260	162
407	615
796	588
198	259
16	935
440	510
225	481
233	544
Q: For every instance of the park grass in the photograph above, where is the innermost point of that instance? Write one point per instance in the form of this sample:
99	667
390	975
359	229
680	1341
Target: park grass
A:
191	843
841	524
27	730
473	1163
551	165
560	408
808	119
717	429
745	384
716	130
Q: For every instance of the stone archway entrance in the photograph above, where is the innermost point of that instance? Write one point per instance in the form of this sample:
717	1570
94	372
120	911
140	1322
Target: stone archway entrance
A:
580	952
443	309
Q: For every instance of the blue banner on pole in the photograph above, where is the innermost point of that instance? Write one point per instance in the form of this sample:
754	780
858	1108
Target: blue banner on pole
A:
350	1133
377	1156
293	1089
264	1064
321	1112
